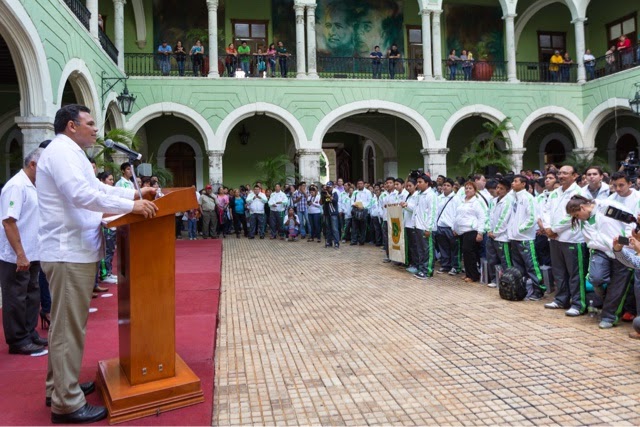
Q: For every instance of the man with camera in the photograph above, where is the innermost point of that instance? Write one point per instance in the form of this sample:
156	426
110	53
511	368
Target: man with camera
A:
567	247
597	220
329	200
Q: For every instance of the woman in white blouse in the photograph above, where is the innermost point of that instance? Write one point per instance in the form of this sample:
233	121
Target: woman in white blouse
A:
469	226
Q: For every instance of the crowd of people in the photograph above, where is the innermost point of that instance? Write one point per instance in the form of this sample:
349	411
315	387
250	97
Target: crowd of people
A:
549	222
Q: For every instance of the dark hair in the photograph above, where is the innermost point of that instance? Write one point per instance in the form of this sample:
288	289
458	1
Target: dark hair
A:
124	166
412	181
256	186
102	176
555	175
45	143
524	179
491	184
477	177
399	180
540	182
620	175
504	182
389	178
574	204
448	181
92	160
67	114
426	178
598	168
572	167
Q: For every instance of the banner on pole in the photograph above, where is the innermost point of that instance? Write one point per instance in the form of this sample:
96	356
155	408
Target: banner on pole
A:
396	233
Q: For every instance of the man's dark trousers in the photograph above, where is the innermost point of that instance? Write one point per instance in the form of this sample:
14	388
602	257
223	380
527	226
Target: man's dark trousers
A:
20	303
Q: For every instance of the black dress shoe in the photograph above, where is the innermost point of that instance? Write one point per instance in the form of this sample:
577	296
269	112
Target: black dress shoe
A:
40	341
86	414
87	388
26	349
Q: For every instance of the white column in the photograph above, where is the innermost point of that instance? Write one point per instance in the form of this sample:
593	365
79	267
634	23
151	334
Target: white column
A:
390	167
215	166
517	154
311	42
426	44
512	74
212	6
300	60
92	5
584	153
437	45
34	131
118	29
309	165
579	27
435	161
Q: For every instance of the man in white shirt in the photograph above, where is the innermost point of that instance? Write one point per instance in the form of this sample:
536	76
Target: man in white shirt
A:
71	202
125	179
384	200
255	202
278	202
19	265
447	242
359	219
425	214
500	211
589	64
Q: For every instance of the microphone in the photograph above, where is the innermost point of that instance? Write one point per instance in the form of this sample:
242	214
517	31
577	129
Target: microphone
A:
123	149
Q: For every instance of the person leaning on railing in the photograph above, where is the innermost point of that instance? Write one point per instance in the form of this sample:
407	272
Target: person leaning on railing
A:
554	65
610	59
230	60
181	56
565	68
376	62
394	55
197	57
589	64
452	63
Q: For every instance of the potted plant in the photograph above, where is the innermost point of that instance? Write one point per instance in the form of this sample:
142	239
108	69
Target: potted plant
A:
484	155
482	69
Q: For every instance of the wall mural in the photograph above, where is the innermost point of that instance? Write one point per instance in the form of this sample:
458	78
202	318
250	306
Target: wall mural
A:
346	28
484	38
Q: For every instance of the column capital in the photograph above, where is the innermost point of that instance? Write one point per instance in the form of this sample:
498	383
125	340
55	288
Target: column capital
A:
437	12
212	5
215	153
586	152
509	16
308	152
299	7
425	12
583	20
122	2
432	151
390	159
311	8
33	122
518	150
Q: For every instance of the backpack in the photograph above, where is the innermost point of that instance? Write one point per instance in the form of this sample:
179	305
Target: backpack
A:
512	286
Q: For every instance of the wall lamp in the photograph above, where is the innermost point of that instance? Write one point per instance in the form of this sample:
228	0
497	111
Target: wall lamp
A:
125	99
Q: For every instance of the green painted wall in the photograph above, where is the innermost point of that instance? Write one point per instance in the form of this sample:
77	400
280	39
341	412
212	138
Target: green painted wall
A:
252	10
555	17
130	33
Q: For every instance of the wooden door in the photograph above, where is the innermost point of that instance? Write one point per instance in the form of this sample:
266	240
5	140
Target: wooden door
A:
181	160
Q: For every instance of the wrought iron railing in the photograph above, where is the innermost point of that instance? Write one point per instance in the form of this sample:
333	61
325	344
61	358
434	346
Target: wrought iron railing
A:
154	64
80	10
108	46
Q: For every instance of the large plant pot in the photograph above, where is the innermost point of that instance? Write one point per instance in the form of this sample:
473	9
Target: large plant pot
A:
205	66
221	67
483	71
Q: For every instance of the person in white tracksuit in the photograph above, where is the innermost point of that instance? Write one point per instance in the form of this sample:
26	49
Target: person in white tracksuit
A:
599	232
469	225
522	233
500	210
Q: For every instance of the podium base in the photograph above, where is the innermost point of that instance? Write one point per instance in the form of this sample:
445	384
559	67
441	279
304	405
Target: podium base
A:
126	402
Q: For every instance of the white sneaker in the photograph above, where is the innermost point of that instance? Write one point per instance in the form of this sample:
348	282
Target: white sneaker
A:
110	279
453	272
492	285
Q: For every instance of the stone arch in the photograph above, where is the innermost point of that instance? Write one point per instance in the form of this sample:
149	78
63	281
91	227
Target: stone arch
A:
528	14
153	111
369	145
164	146
563	115
414	118
8	120
489	113
29	58
118	118
141	25
385	145
598	115
269	110
79	76
566	143
613	141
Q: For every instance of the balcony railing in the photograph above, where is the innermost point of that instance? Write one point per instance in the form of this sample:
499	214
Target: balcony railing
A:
108	46
153	64
149	64
80	10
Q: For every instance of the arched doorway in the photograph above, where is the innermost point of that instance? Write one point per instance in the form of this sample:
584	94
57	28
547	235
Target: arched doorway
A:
369	159
181	161
554	152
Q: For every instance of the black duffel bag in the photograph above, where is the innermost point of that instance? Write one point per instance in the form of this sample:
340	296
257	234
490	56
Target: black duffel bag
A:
512	286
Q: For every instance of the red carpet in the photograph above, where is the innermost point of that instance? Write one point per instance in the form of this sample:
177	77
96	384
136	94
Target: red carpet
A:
198	266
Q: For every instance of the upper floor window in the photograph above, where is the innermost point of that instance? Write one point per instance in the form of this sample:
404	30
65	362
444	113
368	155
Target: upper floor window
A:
626	25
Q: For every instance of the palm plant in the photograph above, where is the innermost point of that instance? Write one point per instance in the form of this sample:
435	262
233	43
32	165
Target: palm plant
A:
483	155
583	161
273	171
104	155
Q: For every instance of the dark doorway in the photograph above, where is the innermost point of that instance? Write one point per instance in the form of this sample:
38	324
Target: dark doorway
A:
554	152
181	161
626	144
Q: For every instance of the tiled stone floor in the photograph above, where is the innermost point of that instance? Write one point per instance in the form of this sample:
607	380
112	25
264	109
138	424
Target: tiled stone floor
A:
310	335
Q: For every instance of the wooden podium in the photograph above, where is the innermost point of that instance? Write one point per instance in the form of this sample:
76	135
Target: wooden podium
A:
149	377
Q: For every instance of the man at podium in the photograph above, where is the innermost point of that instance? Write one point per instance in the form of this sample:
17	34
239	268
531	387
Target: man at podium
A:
71	202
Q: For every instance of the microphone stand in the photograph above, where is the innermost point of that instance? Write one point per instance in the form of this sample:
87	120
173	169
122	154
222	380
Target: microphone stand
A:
132	159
